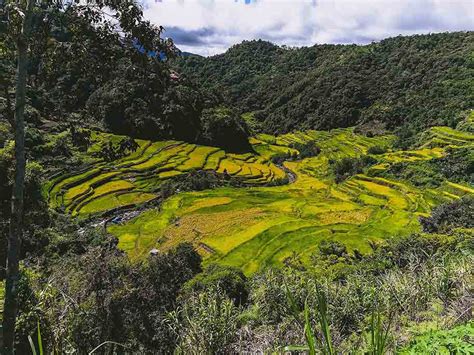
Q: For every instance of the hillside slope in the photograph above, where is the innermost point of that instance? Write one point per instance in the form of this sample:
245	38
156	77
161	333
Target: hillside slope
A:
411	82
265	224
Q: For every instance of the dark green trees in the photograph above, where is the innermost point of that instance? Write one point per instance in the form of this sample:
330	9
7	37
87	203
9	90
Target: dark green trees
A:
224	128
406	83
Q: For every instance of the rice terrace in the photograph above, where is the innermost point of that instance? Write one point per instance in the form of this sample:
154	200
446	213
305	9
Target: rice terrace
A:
269	220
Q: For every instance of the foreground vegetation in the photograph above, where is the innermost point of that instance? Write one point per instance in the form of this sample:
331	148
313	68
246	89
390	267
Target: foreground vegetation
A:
418	288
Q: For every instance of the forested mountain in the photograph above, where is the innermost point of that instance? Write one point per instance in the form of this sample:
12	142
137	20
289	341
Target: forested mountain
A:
407	83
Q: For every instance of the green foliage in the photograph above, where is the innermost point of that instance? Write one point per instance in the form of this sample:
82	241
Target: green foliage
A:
39	341
206	323
347	167
307	149
446	217
379	334
376	150
224	128
329	248
328	86
100	297
457	340
229	280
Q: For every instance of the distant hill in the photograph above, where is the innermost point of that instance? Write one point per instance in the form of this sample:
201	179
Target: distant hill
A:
189	54
406	83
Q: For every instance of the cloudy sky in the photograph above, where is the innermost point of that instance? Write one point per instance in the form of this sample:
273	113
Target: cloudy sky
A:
209	27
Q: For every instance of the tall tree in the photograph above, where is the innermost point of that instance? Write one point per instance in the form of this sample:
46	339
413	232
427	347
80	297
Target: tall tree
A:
110	27
16	219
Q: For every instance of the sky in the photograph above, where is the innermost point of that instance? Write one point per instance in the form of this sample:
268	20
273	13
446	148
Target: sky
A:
209	27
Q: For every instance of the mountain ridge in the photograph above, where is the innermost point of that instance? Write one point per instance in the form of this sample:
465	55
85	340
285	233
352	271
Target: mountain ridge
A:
409	83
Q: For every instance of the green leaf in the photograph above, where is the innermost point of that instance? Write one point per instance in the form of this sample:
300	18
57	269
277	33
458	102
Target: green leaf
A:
32	345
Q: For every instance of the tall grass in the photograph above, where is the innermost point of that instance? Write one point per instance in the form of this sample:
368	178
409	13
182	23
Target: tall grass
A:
39	340
379	333
314	340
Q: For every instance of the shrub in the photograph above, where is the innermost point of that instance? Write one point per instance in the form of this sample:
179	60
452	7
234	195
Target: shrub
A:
306	150
376	150
328	248
452	341
457	214
229	279
347	167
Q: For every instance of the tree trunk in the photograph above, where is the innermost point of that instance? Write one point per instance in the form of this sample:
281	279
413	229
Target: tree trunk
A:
16	218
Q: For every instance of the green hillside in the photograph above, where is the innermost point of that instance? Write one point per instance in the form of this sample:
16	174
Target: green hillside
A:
404	82
265	225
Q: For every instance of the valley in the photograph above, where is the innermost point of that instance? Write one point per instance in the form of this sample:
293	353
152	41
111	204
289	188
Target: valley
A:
309	190
258	225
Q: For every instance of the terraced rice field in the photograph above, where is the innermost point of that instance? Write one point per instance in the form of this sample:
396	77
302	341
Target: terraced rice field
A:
137	178
259	226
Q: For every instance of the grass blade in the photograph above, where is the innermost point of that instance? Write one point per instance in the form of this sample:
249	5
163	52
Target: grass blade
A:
40	341
323	321
32	345
293	306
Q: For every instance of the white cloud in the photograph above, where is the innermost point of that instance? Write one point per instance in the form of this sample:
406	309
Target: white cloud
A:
211	26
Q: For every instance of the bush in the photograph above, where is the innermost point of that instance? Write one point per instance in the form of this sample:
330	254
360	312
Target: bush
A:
222	127
347	167
229	279
446	217
109	298
452	341
376	150
328	248
306	150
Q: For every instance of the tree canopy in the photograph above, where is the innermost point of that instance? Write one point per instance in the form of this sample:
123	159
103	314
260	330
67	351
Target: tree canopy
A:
407	83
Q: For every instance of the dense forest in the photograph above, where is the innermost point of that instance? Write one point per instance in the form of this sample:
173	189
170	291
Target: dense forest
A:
310	200
404	83
84	73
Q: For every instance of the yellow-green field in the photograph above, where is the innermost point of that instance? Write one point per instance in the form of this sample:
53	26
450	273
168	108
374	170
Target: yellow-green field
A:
260	225
137	177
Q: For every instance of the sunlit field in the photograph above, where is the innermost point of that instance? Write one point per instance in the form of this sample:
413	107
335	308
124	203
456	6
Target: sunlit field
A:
272	220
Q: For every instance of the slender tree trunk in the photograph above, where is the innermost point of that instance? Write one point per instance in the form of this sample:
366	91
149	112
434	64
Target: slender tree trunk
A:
16	218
